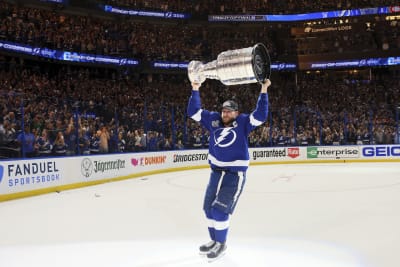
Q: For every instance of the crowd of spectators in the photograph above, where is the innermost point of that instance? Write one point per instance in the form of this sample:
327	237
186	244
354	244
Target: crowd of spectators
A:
125	37
76	110
176	41
55	109
248	6
321	110
179	42
80	105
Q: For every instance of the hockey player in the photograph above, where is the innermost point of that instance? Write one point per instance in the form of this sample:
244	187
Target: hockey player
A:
228	158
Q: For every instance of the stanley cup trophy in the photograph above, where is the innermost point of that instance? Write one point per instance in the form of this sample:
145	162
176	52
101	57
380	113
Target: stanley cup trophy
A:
240	66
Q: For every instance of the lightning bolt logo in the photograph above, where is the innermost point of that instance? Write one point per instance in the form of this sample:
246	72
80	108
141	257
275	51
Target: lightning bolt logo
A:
223	134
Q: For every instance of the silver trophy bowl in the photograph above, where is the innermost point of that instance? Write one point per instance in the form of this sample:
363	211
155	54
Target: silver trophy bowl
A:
240	66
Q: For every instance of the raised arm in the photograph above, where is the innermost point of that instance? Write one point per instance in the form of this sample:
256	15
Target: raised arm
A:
260	113
194	105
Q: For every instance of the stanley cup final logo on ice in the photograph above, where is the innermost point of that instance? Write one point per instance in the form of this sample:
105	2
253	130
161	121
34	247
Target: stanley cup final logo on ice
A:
240	66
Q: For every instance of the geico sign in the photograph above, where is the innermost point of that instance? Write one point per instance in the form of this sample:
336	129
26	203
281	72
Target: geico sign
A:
381	151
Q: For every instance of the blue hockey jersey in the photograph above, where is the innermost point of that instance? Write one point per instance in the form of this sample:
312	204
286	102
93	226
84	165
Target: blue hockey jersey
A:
228	147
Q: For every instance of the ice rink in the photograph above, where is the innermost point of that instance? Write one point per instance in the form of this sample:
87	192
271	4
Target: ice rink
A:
311	215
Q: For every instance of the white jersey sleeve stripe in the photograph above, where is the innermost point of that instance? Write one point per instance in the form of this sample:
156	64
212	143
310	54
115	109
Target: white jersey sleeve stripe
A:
197	115
239	163
254	121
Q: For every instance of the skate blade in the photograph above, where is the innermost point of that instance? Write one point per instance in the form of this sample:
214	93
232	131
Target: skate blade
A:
203	253
216	258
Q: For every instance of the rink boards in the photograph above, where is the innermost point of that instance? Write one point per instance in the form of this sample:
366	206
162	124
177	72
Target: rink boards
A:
22	178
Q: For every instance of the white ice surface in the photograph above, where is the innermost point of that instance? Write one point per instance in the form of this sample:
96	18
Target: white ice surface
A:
322	215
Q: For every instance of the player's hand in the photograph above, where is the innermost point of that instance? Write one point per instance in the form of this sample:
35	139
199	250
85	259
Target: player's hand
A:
196	86
265	85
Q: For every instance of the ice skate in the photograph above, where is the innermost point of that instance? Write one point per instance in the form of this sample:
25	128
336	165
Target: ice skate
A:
217	251
204	249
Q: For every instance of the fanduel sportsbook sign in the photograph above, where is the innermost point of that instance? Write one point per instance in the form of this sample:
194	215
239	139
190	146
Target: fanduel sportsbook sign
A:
29	174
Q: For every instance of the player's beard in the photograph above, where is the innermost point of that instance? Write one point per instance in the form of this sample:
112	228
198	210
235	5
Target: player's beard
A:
227	121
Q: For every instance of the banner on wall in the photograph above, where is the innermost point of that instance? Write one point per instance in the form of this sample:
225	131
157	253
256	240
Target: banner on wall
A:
34	174
333	152
25	175
28	175
381	151
275	154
